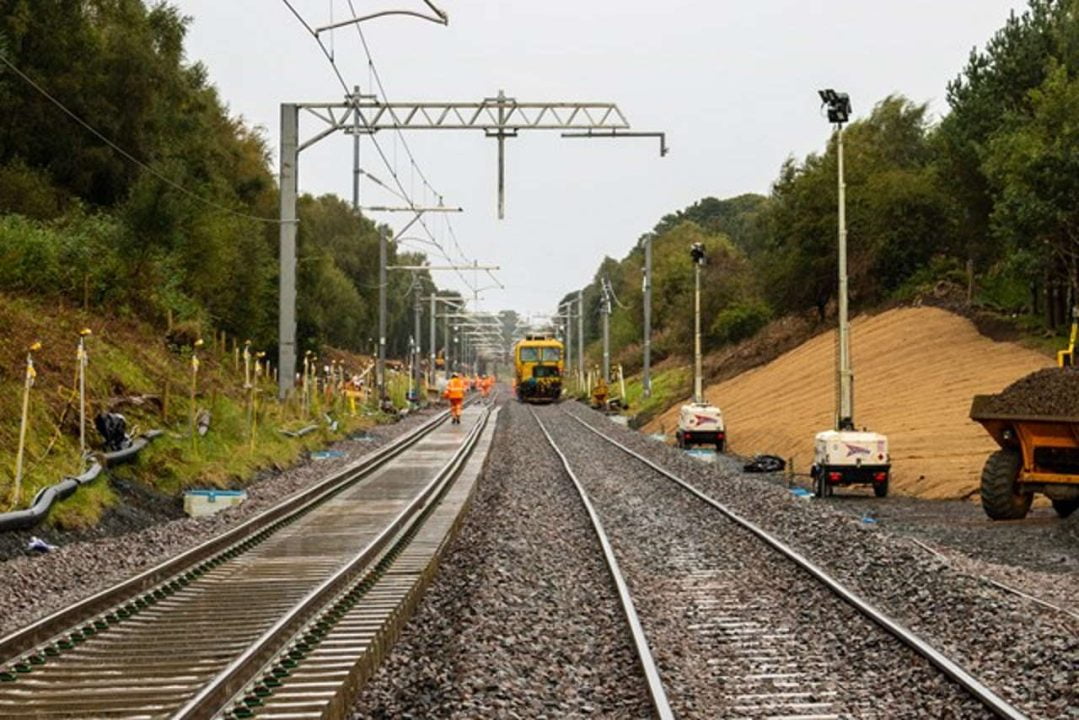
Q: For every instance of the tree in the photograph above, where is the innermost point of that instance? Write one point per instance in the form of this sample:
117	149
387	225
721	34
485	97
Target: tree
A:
995	83
1032	164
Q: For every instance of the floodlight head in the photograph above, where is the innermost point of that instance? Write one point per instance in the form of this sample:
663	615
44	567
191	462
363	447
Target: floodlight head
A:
838	105
697	253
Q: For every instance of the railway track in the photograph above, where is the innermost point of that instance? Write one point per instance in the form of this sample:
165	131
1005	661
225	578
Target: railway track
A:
281	617
735	613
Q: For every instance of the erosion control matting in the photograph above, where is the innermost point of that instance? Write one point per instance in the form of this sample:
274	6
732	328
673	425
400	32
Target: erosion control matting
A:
1052	392
916	371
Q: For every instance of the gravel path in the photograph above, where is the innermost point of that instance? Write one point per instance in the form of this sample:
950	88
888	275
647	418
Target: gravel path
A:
722	610
1025	652
32	586
521	620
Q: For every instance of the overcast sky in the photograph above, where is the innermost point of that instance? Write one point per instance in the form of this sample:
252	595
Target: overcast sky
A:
732	83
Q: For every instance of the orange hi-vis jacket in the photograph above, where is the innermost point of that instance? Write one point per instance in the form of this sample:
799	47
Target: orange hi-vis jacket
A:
455	389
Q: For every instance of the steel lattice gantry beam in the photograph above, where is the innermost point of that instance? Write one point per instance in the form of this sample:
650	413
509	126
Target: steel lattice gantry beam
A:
492	115
499	117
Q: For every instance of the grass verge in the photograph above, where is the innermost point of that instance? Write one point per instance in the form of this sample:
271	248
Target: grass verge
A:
133	371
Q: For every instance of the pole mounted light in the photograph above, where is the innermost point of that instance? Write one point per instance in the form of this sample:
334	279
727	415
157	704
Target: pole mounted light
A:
699	423
646	292
838	109
696	253
844	456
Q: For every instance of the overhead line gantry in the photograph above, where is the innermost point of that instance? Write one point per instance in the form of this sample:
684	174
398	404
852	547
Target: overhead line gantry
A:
499	117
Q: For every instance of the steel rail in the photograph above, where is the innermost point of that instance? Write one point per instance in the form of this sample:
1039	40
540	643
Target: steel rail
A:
993	702
658	695
231	682
187	564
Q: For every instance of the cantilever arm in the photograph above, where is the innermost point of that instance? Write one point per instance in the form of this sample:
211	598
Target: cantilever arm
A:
615	133
440	18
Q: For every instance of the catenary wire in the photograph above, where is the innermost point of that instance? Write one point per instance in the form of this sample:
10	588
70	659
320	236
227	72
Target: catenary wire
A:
385	160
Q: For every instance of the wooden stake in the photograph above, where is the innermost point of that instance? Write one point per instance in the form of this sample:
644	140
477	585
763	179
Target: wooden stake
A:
24	422
165	403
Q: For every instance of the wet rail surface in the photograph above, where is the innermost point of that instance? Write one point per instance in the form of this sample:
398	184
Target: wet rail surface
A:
152	660
740	652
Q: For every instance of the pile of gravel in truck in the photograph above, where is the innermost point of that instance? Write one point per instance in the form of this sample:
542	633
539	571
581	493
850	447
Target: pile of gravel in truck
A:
1052	392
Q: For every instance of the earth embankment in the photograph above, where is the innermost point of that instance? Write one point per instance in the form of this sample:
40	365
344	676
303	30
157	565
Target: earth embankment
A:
916	370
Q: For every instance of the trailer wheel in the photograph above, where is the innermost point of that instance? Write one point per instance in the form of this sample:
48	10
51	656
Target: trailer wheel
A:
881	489
1001	497
821	488
1065	508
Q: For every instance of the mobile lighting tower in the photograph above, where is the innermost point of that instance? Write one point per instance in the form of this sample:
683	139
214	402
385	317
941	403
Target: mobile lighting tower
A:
698	422
844	455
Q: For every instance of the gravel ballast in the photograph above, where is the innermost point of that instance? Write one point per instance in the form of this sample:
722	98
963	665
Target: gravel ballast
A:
521	620
1024	651
721	608
1052	392
33	585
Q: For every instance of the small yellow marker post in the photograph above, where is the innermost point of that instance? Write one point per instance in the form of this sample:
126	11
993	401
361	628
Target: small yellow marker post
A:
306	381
313	378
82	359
247	381
254	420
25	421
254	396
194	391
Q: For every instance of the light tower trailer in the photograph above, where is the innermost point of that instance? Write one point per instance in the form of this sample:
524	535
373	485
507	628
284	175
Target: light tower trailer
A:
850	457
699	423
846	456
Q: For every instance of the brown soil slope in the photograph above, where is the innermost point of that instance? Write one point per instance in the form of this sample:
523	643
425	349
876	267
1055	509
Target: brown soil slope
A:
916	370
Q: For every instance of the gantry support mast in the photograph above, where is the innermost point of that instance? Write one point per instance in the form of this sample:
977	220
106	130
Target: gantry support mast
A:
499	117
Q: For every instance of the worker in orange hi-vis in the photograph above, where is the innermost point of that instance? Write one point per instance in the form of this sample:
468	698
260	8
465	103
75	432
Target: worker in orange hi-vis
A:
455	393
485	385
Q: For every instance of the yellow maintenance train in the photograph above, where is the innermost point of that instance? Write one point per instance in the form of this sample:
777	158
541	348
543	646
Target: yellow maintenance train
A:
538	361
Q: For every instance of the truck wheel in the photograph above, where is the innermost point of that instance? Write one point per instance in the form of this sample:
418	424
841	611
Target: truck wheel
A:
881	489
1001	497
719	446
1065	508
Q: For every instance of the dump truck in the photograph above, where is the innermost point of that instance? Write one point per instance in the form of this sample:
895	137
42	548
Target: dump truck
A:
1035	421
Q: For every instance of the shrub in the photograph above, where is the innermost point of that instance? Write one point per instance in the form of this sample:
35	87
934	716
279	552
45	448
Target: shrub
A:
738	322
